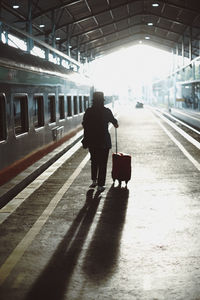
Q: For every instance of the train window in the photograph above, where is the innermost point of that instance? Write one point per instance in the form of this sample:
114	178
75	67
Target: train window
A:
69	106
38	114
20	106
52	108
75	105
3	131
86	102
80	104
62	107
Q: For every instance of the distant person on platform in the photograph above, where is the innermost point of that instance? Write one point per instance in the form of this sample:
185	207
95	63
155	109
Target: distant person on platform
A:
97	138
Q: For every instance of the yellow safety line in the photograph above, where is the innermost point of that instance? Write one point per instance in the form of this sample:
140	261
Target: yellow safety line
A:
18	252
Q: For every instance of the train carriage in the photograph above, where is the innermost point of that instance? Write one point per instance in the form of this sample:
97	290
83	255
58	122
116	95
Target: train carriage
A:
41	105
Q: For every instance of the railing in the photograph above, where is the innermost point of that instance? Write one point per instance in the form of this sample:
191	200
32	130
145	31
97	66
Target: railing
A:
63	59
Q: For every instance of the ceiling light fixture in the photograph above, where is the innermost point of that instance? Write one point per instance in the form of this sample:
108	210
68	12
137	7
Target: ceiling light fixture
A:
41	25
150	24
147	38
15	6
155	4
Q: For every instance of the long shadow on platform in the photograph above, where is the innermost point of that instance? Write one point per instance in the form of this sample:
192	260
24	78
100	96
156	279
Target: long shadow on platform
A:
102	255
53	281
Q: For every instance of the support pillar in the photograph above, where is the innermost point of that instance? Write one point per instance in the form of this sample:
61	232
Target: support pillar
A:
53	31
1	31
190	44
173	61
46	49
6	36
29	27
1	25
78	49
68	40
183	49
199	47
177	59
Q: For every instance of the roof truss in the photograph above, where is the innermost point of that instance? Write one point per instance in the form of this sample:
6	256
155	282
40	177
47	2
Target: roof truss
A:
93	27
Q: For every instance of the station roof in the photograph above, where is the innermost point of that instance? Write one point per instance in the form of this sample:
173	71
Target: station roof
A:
97	27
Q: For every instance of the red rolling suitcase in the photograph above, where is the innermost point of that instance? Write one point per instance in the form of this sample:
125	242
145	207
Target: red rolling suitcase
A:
121	165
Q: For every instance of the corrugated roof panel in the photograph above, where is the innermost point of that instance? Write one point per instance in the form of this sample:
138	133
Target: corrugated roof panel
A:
79	10
122	24
135	7
120	12
108	29
98	5
104	18
94	34
88	20
188	16
89	23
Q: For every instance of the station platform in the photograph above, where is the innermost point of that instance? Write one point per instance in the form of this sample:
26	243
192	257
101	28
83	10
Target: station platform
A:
63	240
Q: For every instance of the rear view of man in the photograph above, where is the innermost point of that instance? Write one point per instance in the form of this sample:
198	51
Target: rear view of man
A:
97	138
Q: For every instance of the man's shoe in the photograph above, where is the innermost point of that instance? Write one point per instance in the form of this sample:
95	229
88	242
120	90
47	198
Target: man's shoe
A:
94	184
100	189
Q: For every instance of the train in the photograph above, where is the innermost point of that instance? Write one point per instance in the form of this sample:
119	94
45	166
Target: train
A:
41	106
180	97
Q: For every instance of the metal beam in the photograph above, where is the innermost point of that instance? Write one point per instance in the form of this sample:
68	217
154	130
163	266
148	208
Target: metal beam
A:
184	7
131	42
141	36
129	27
111	23
130	16
41	43
56	7
15	13
93	15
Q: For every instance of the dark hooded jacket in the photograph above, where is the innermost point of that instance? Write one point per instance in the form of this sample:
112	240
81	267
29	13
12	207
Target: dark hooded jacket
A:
95	123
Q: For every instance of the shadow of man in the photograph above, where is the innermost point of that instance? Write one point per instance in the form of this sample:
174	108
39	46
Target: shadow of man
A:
102	255
54	280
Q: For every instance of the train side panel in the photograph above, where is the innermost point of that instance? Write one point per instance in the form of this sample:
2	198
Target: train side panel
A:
38	110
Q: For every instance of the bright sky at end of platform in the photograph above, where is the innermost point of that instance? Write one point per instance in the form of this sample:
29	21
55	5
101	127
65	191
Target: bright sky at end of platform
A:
130	67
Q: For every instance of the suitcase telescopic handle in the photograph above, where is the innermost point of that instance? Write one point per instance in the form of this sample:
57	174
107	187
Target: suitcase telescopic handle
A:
116	139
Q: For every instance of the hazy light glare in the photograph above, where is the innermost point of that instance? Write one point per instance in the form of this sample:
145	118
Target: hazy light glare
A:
37	51
16	42
130	67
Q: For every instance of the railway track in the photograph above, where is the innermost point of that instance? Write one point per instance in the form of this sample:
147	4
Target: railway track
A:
187	131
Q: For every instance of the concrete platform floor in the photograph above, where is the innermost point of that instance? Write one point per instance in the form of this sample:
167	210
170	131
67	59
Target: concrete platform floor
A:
67	242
